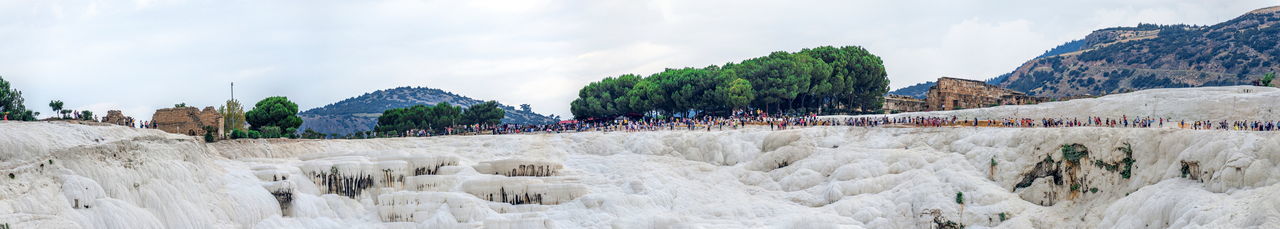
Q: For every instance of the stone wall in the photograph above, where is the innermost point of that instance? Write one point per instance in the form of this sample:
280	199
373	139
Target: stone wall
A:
188	120
118	118
898	104
953	94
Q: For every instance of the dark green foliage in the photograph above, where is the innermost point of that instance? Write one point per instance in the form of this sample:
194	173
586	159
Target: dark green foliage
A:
11	176
1124	166
179	105
1075	187
11	104
606	98
825	78
238	134
1073	152
209	132
421	117
1003	216
86	115
255	134
1266	79
1093	190
271	131
275	111
312	134
1127	161
993	162
487	113
959	197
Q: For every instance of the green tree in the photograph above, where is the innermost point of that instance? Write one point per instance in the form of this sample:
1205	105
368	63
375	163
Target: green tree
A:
443	115
736	94
604	99
419	117
1266	79
312	134
645	96
56	106
276	111
823	79
233	117
486	113
11	104
86	115
781	77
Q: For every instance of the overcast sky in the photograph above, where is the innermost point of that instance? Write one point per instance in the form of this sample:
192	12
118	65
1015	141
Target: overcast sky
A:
146	54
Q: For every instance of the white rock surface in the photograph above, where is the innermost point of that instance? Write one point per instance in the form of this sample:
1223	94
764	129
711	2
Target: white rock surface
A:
75	176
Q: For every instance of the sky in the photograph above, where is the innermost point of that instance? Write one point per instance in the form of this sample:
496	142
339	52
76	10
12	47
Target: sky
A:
141	55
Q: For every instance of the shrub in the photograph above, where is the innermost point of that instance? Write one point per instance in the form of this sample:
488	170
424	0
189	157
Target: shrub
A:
237	134
1074	152
959	197
1093	190
1127	161
255	134
1266	79
1003	216
270	131
208	133
86	115
11	176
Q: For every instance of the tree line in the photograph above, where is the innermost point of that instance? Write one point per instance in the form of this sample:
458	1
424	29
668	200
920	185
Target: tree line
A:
818	80
436	118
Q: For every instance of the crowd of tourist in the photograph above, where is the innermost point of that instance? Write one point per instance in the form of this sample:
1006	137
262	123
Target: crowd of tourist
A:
785	122
1122	122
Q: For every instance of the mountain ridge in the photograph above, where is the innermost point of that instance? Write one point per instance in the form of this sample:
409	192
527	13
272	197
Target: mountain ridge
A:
360	113
1120	59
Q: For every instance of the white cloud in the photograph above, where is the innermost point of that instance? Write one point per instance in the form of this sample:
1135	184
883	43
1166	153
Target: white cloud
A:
147	54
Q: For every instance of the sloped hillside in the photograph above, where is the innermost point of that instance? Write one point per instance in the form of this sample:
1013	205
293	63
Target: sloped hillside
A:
361	113
1115	60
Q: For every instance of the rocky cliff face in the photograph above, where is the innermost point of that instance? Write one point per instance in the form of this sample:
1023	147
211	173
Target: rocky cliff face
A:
361	113
1158	56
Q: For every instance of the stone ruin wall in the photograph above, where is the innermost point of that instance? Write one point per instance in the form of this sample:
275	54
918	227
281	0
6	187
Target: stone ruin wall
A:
118	118
898	103
952	94
188	120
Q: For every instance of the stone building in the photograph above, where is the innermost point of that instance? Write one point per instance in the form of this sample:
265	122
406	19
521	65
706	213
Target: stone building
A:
953	94
901	103
188	120
118	118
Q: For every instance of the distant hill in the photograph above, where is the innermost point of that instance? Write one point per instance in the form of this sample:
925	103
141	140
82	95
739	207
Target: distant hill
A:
919	90
1121	59
361	113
